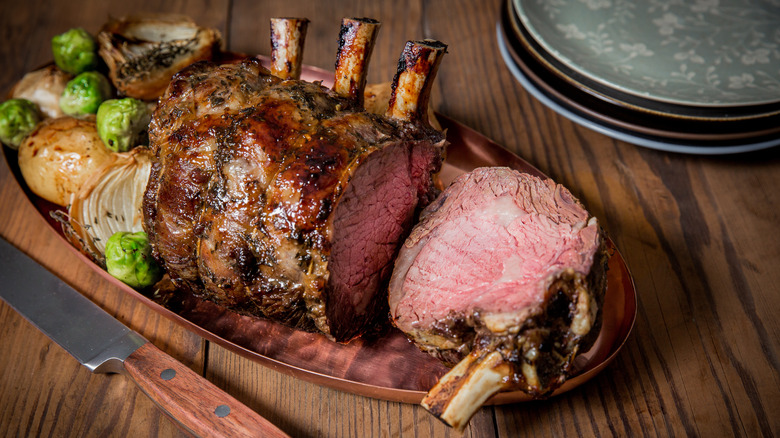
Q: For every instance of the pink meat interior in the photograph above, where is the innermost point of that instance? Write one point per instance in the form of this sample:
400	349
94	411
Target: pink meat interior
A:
492	242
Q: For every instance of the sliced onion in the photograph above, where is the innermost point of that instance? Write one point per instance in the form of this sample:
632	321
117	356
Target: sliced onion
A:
110	202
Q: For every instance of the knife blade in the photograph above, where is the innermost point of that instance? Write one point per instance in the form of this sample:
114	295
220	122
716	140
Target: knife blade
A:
104	345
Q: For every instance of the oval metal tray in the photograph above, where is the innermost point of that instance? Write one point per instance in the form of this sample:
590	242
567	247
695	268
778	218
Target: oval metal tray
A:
388	367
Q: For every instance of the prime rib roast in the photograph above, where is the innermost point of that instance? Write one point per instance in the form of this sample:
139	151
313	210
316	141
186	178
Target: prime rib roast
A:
285	199
504	278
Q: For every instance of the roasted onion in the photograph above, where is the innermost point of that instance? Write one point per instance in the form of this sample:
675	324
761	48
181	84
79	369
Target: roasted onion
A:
109	202
143	53
44	88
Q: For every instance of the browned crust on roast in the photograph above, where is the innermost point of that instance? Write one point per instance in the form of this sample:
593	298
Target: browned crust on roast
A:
240	205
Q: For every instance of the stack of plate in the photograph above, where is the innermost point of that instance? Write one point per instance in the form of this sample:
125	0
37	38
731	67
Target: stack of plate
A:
686	76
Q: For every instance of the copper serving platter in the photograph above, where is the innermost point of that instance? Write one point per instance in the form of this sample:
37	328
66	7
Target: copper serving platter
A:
388	367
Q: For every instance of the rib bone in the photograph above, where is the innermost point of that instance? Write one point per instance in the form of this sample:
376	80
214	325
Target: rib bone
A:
462	391
287	39
356	42
414	79
496	366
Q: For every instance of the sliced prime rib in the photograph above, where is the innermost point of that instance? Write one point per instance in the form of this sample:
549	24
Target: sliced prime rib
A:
503	277
282	198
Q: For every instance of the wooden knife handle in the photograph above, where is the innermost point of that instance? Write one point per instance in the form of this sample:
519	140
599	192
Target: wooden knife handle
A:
191	400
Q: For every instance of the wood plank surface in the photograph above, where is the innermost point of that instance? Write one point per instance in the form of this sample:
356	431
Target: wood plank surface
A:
698	234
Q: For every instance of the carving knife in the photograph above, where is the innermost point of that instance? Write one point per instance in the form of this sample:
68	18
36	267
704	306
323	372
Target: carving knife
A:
105	345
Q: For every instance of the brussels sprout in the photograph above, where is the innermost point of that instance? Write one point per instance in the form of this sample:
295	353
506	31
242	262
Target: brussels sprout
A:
18	118
75	51
123	123
129	259
84	94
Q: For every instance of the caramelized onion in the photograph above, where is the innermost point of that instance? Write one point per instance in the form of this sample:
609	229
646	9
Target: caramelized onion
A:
143	53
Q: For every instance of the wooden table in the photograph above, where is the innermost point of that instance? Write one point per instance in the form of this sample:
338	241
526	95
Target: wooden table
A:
698	233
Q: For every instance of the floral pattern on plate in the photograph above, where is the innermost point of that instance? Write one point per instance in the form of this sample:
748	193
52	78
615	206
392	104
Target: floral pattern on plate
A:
700	52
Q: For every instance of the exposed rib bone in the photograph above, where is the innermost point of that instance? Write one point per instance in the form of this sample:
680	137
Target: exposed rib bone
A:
287	38
538	371
414	79
356	42
462	391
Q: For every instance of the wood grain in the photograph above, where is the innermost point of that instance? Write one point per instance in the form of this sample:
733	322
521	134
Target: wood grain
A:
195	403
698	233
